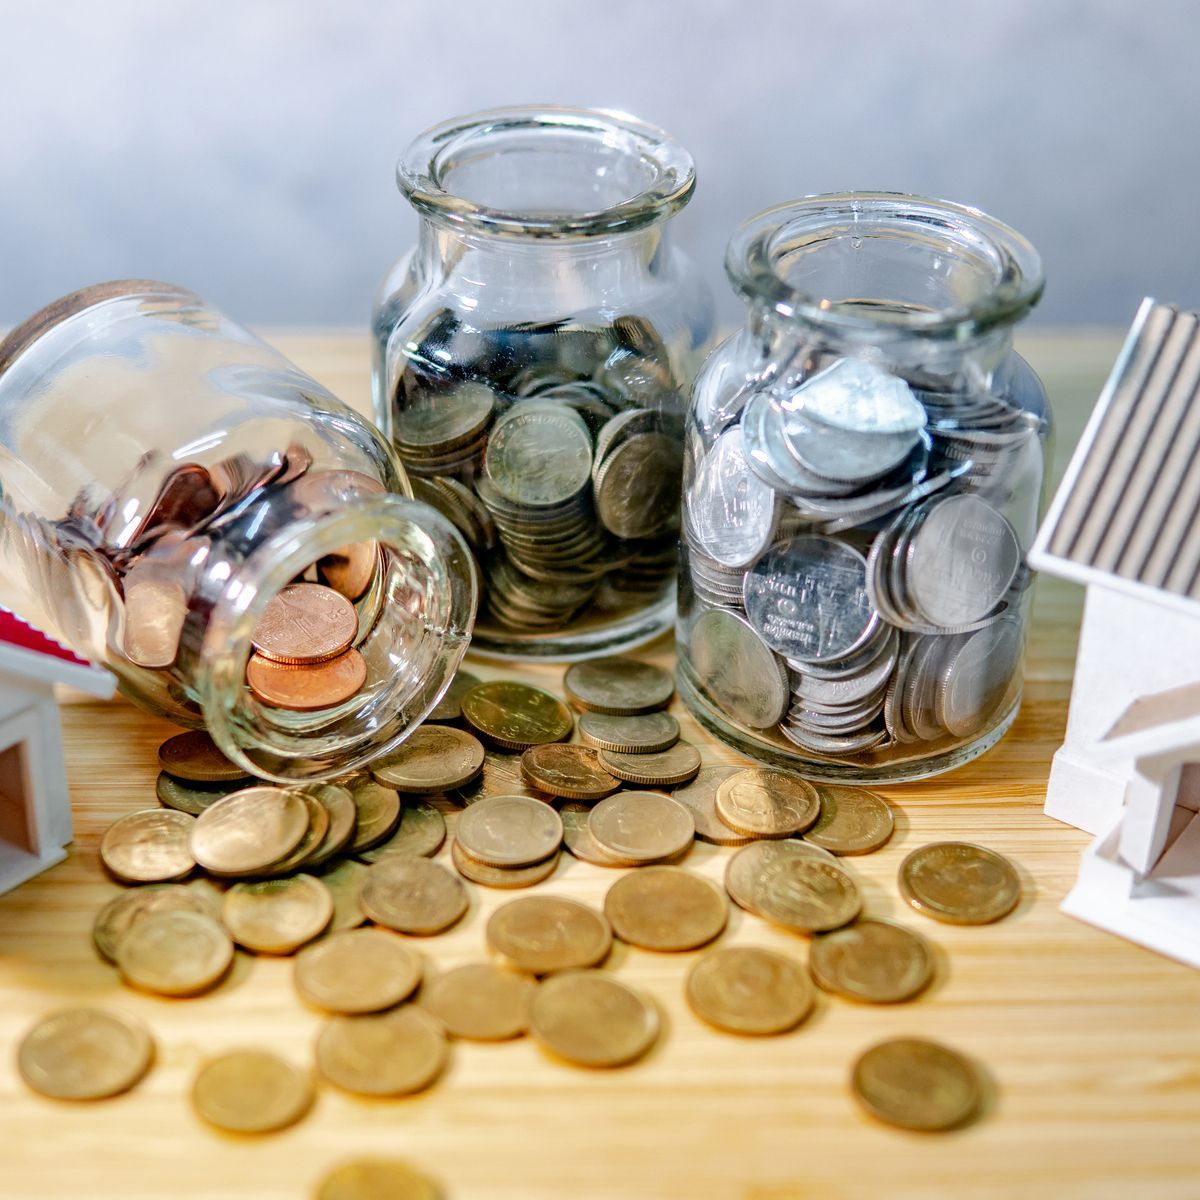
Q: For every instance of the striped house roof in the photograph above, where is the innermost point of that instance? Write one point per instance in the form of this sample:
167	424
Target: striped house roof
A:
1127	514
25	650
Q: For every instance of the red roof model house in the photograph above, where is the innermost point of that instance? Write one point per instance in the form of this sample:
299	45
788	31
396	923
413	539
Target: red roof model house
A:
35	807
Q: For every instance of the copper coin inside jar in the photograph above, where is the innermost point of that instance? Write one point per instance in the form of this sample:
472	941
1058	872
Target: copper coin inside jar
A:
307	688
305	623
349	571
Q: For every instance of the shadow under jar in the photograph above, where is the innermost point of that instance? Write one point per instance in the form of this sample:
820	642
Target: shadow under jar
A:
168	478
533	353
863	476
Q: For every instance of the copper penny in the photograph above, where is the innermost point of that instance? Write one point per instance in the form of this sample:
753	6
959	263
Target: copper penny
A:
377	1179
664	768
792	884
307	688
385	1054
875	961
85	1054
249	831
642	827
768	802
412	895
541	934
749	990
700	798
193	755
155	609
149	846
516	716
621	686
357	971
590	1018
960	883
305	623
434	758
349	571
274	916
480	1001
917	1084
421	831
510	831
175	953
852	820
377	812
573	772
501	877
665	908
644	733
251	1091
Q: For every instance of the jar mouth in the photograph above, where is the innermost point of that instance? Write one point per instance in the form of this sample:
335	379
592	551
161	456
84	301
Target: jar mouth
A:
871	261
552	172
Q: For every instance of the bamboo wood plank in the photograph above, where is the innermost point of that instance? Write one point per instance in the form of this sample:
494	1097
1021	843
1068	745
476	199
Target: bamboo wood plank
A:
1092	1045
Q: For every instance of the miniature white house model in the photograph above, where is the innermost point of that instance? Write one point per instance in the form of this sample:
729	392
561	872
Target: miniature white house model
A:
1126	524
35	807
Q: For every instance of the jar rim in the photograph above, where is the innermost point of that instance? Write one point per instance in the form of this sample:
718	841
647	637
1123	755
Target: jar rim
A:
1015	285
422	170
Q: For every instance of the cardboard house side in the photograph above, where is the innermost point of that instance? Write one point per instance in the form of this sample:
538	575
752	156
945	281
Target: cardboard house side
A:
35	806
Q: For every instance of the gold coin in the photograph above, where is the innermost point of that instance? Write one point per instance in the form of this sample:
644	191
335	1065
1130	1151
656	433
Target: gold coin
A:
541	934
501	877
193	755
917	1084
619	686
249	831
643	733
412	895
641	827
876	961
794	885
589	1018
343	821
480	1001
573	772
305	623
960	883
175	953
377	811
377	1179
577	838
434	758
120	914
84	1054
386	1054
516	716
852	820
149	846
344	882
665	908
251	1091
421	831
192	798
449	707
310	843
745	989
768	802
700	798
299	687
501	776
664	768
358	971
509	831
275	916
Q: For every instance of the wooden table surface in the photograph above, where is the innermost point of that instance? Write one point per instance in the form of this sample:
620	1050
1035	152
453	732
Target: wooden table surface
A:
1092	1045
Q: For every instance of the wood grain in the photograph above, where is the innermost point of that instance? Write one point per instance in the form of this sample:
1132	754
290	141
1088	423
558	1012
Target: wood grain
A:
1092	1045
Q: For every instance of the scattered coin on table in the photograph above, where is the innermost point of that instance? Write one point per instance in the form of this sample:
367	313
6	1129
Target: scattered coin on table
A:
384	1054
481	1002
194	756
410	894
699	797
175	953
501	877
185	796
665	908
767	802
960	883
275	916
516	716
664	768
852	820
357	971
251	1091
578	839
746	989
872	960
85	1054
917	1084
449	707
801	887
643	733
344	881
590	1018
149	846
123	911
620	686
377	1179
571	772
250	831
641	827
509	831
420	830
377	813
541	934
434	758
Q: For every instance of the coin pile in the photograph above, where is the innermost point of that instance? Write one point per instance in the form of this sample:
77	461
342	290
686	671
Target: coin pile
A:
844	539
557	452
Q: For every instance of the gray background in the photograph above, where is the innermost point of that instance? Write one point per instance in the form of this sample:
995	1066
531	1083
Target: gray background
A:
247	149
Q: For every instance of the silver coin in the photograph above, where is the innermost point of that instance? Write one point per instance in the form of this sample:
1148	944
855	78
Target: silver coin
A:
539	454
807	598
732	512
738	670
851	687
961	561
856	395
976	676
841	455
444	420
637	486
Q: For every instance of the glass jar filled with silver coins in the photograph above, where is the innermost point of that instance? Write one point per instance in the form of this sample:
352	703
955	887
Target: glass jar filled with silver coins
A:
863	474
184	506
532	356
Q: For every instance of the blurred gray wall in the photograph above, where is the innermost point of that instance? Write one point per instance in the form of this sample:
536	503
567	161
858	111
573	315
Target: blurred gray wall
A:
247	149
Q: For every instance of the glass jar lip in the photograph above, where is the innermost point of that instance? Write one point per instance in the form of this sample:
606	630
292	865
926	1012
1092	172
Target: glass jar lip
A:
750	263
420	172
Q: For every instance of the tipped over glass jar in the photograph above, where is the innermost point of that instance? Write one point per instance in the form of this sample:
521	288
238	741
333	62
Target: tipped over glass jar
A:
184	506
533	354
863	474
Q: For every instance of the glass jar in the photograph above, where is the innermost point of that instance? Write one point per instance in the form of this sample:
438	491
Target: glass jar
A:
532	355
165	475
863	473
